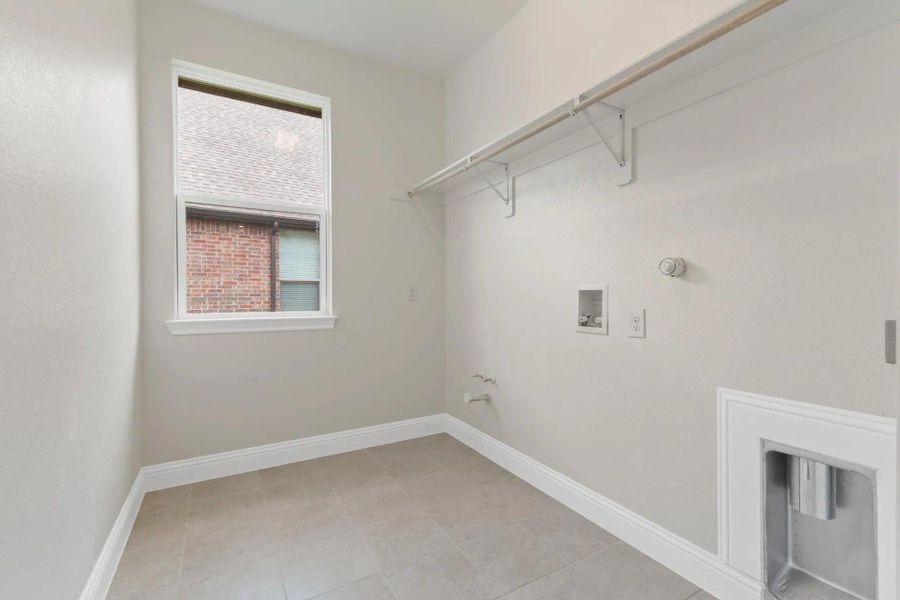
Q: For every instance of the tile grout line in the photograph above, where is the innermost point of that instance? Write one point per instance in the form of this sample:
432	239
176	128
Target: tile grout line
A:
519	523
513	522
187	518
452	544
275	555
548	574
192	500
356	528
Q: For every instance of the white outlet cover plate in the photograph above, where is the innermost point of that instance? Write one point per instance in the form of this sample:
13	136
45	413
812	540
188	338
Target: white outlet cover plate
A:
637	323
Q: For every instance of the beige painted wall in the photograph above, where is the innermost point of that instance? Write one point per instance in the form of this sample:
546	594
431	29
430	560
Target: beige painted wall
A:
551	51
69	297
782	195
384	359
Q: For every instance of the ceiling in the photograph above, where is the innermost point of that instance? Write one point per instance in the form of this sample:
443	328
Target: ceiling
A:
430	37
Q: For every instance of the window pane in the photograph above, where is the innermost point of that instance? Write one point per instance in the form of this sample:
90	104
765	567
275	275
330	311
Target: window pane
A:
299	295
298	254
233	148
228	267
298	259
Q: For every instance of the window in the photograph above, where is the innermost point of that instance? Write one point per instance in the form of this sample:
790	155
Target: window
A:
252	190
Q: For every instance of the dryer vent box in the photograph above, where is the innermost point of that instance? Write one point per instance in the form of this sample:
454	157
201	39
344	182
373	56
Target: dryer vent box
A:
819	527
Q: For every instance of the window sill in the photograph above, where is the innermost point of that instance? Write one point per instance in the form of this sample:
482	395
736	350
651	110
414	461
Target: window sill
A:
249	324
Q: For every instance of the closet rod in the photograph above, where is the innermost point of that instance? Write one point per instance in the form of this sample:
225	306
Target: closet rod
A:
591	98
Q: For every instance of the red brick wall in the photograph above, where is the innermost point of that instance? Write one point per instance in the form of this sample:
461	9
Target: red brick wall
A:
228	266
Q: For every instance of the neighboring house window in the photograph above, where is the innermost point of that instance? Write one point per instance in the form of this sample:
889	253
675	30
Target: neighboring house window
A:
253	198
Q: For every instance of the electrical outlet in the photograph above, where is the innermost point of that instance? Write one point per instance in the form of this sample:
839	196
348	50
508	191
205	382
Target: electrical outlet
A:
637	326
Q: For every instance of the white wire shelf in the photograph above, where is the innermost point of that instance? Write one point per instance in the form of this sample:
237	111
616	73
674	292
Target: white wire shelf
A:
748	26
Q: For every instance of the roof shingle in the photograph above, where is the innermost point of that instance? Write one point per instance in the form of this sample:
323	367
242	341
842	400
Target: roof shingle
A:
234	149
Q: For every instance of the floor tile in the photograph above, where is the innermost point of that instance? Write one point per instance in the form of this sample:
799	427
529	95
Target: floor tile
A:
168	592
354	471
357	479
358	459
455	455
286	506
215	512
166	499
480	472
376	504
321	565
147	568
569	533
415	445
631	575
236	541
298	495
568	583
516	499
258	579
404	538
445	440
618	573
435	439
159	521
398	448
434	488
468	517
444	575
410	464
292	533
511	557
370	588
290	472
225	485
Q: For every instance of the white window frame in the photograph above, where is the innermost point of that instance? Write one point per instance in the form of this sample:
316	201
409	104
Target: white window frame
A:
196	323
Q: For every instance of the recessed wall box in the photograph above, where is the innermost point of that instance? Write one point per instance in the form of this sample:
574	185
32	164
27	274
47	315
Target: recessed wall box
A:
593	301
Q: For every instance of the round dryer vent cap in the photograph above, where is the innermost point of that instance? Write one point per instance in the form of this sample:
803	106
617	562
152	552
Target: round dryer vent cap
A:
671	266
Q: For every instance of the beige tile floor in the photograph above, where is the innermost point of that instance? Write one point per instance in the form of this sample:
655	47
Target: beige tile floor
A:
418	520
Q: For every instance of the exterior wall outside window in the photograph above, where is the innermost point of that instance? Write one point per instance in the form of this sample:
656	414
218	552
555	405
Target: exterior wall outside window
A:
229	266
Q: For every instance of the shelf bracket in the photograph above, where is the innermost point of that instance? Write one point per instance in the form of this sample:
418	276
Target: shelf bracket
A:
620	154
617	154
508	197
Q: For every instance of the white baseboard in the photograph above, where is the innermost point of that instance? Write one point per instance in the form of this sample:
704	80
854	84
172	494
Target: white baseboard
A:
105	567
695	564
211	466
